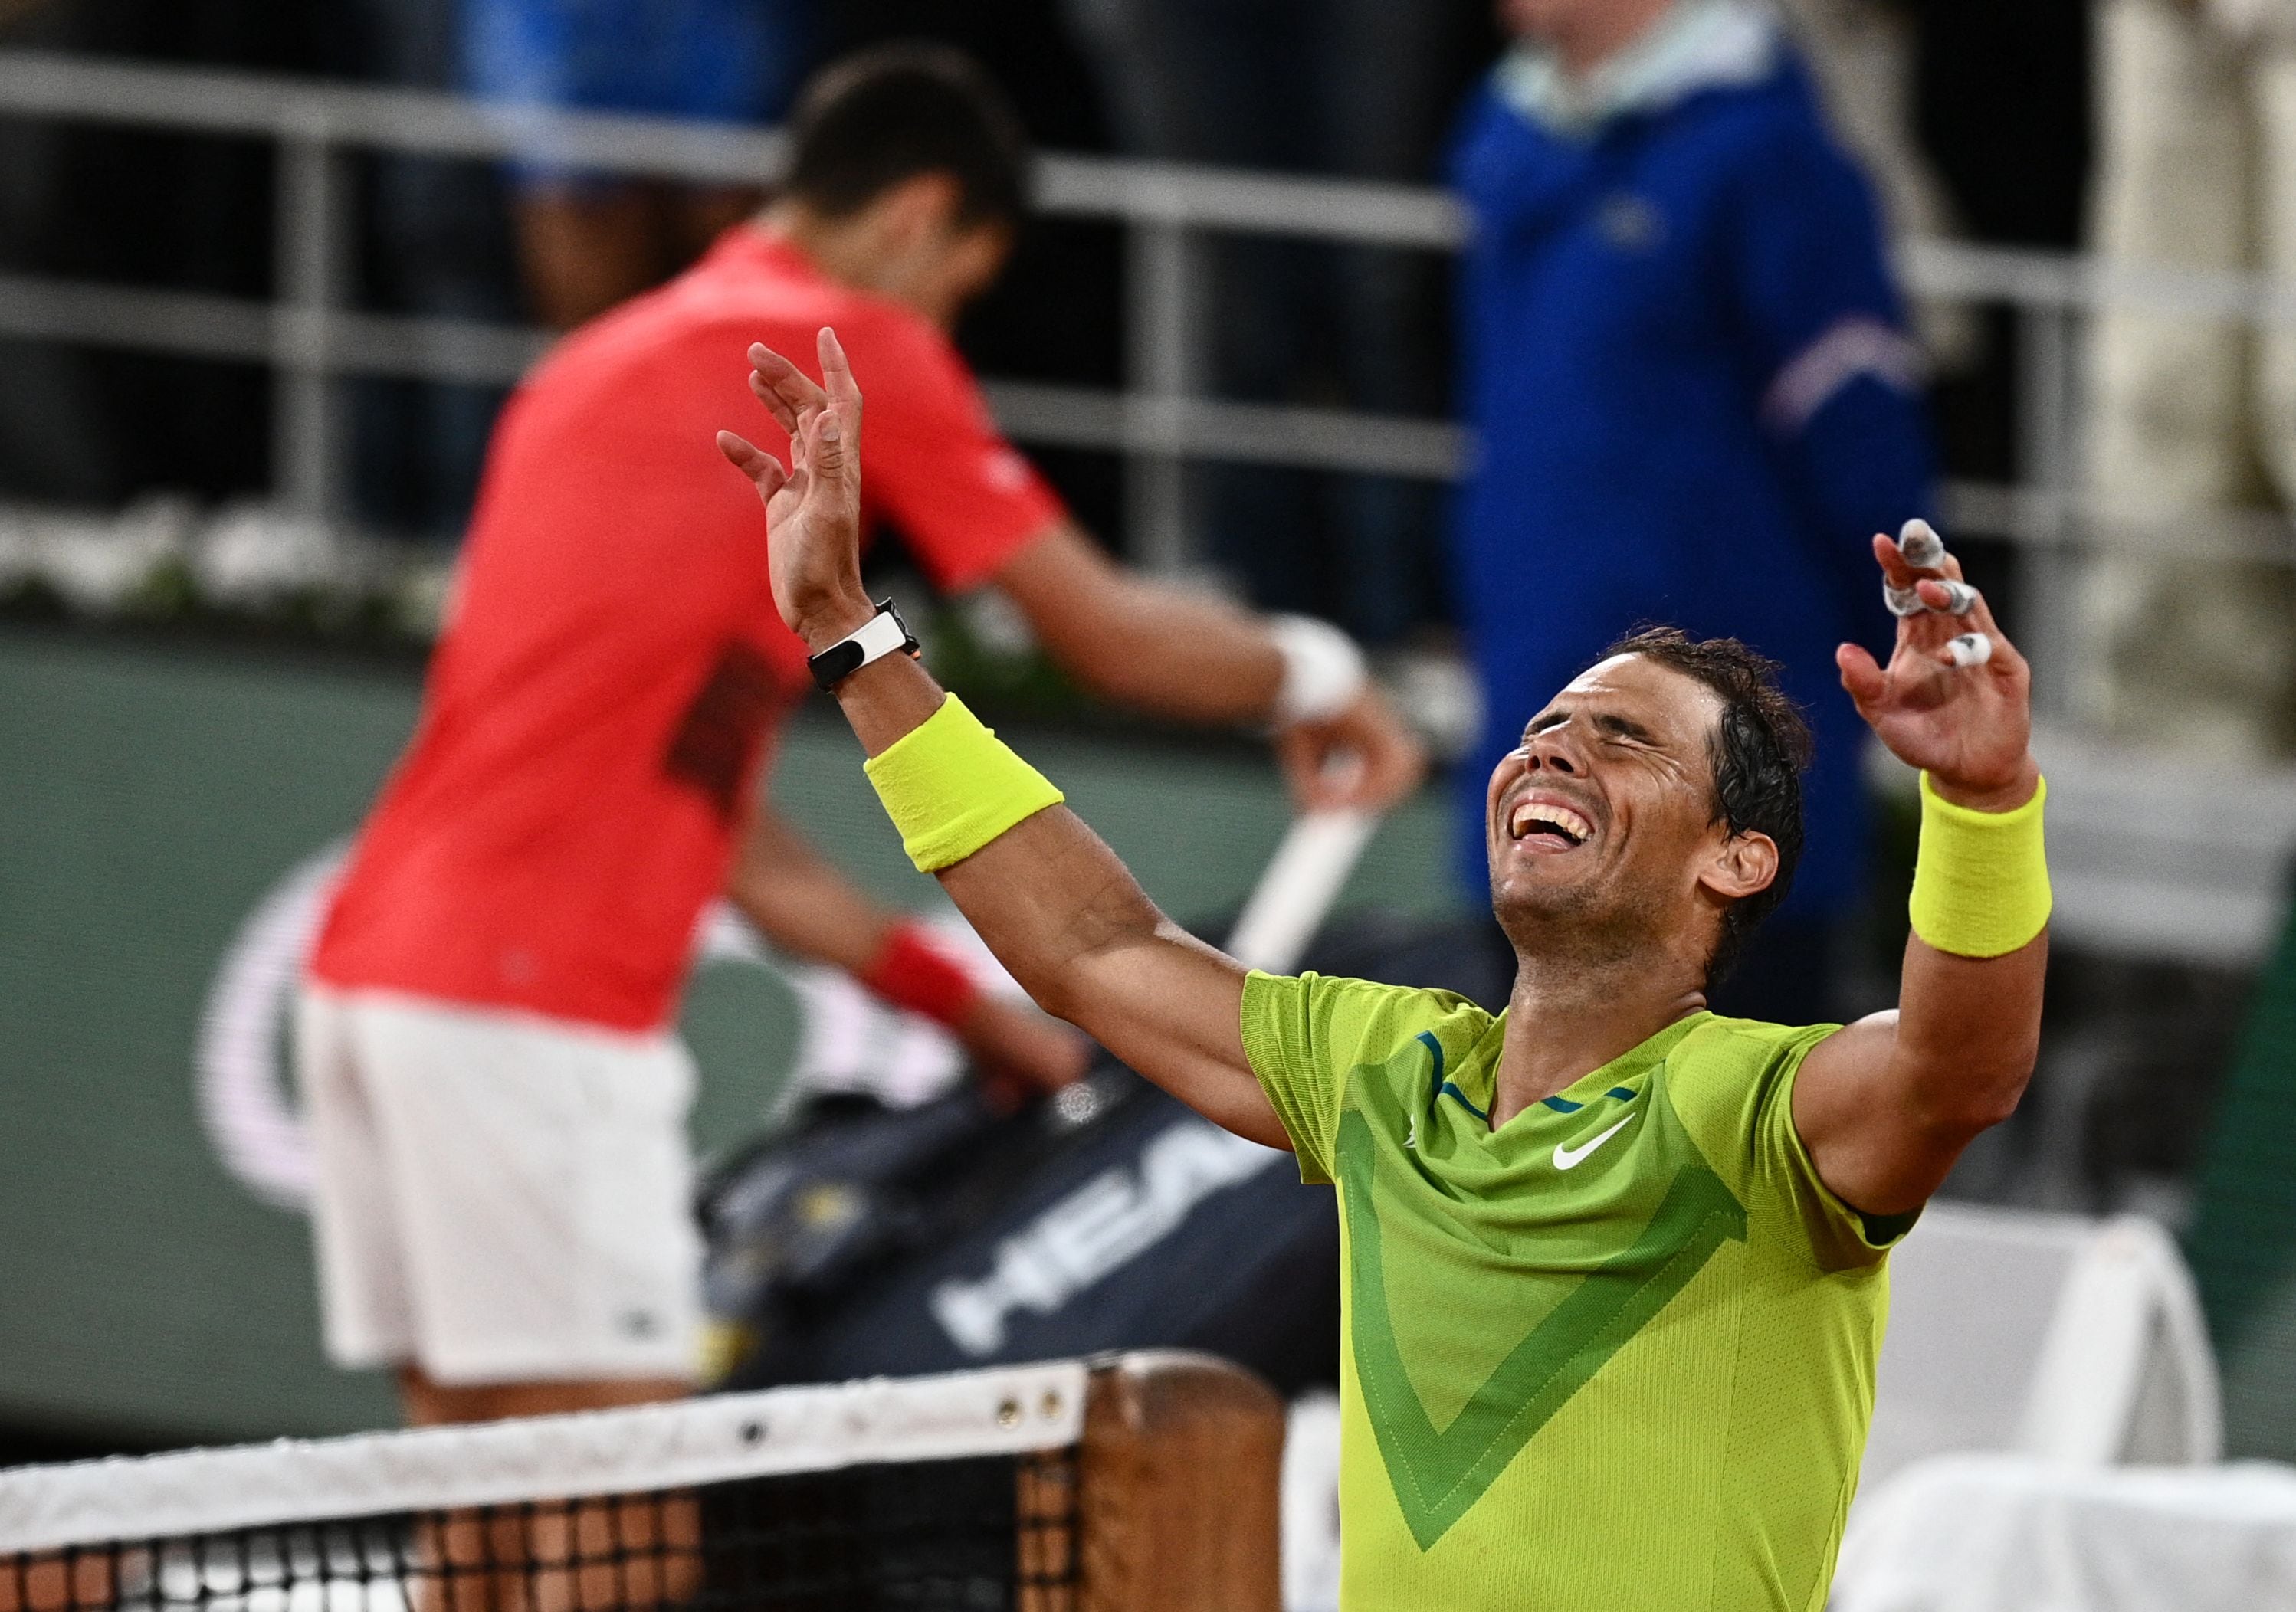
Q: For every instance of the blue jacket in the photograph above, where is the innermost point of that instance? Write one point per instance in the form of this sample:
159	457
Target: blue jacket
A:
1695	405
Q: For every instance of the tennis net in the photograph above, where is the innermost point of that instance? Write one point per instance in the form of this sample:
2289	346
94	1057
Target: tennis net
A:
1034	1489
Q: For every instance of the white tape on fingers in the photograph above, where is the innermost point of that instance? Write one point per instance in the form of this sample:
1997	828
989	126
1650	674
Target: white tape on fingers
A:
1918	542
1960	599
1970	649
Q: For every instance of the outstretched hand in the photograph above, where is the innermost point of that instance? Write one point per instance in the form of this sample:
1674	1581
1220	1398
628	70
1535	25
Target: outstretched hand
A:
1969	726
813	506
1362	759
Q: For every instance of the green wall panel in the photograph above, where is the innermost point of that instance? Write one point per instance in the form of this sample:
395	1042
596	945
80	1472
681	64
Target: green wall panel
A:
150	800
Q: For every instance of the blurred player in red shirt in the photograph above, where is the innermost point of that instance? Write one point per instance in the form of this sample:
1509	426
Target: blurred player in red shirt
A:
486	1039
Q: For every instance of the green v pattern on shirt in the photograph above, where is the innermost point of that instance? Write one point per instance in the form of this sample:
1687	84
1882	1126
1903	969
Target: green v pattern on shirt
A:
1638	1378
1438	1475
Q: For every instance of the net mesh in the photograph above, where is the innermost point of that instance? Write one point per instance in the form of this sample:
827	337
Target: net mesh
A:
986	1532
937	1531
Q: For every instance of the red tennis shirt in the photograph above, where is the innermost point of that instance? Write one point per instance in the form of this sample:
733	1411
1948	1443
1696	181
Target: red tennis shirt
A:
599	706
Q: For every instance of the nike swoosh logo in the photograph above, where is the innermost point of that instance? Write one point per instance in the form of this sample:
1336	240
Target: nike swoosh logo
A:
1570	1158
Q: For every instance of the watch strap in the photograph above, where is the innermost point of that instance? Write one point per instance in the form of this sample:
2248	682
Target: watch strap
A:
883	634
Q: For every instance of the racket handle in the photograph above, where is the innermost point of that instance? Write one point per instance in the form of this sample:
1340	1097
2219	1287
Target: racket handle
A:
1302	879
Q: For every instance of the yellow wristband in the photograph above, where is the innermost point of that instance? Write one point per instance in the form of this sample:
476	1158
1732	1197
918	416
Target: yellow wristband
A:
951	786
1982	881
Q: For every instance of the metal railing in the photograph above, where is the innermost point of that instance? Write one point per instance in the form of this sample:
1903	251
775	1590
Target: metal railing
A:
1159	424
310	338
1160	421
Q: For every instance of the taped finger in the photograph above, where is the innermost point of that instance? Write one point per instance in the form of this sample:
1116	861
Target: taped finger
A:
1918	542
1970	649
1960	598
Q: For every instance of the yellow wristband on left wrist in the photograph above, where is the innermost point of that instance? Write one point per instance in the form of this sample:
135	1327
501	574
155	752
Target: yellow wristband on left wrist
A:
1981	880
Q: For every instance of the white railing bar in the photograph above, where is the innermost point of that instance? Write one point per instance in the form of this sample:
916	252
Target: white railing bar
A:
2036	519
1251	433
1960	271
411	122
2048	463
1164	289
1356	211
1957	271
455	350
191	324
424	123
203	324
309	256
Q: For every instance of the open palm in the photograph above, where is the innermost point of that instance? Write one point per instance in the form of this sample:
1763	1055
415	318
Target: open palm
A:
813	506
1968	727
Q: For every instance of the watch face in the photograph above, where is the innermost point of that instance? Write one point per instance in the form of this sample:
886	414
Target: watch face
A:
908	638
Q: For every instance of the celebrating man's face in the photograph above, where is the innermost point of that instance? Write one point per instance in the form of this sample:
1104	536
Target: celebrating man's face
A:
1600	825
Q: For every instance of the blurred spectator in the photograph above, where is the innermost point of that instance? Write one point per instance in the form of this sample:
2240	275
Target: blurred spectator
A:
1862	55
589	241
148	207
1357	88
1695	401
436	244
2198	104
50	448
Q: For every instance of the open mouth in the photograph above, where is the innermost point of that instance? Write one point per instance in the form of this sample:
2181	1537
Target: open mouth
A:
1548	826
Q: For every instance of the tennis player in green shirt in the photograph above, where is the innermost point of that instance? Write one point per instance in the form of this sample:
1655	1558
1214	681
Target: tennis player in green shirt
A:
1615	1267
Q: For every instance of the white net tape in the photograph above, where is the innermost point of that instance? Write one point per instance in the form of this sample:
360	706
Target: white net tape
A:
1009	1411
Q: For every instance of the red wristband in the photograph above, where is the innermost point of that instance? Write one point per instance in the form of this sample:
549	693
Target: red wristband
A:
913	972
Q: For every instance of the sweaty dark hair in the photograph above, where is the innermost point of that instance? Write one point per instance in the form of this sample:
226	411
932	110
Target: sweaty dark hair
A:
874	120
1757	751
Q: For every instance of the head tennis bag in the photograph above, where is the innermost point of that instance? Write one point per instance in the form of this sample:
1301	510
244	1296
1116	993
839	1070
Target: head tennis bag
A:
864	1240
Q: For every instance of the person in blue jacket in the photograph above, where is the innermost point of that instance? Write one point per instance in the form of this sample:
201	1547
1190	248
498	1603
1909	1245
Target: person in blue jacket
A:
1693	395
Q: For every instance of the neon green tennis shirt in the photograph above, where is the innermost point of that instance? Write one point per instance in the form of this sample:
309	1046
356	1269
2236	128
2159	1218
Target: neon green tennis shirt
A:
1617	1354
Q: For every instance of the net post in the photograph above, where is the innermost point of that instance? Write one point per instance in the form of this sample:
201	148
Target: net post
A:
1180	1469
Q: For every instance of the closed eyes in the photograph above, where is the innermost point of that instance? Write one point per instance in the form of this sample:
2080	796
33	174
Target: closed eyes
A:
1609	724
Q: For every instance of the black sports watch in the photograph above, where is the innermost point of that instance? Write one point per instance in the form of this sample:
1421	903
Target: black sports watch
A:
880	635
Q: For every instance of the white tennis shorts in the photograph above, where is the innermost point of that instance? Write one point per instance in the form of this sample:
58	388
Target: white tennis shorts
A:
498	1197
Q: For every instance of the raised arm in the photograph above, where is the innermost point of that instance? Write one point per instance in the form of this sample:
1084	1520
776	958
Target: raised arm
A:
1052	901
1176	653
1886	1105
